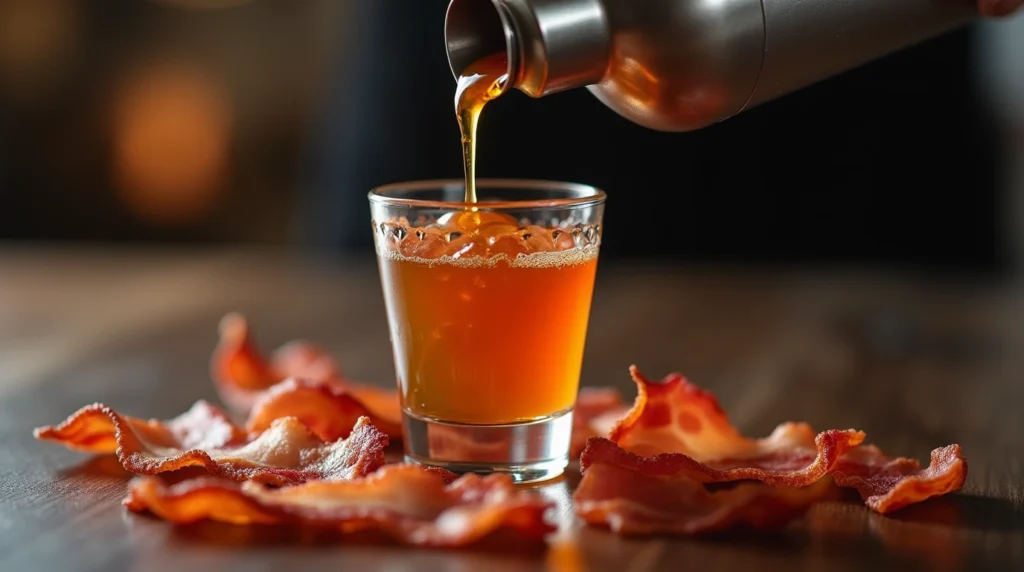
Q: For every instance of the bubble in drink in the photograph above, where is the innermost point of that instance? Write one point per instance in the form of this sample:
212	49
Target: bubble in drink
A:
423	244
510	245
577	236
450	220
463	246
537	238
398	233
494	230
562	240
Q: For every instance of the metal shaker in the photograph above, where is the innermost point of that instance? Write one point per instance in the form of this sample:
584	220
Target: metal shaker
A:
680	65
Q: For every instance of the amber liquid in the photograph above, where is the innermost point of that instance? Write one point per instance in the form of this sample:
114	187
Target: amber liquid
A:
478	84
488	328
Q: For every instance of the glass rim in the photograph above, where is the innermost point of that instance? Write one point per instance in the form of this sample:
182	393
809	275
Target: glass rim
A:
592	195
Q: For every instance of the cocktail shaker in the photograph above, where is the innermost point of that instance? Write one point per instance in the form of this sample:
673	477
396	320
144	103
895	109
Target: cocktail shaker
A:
680	65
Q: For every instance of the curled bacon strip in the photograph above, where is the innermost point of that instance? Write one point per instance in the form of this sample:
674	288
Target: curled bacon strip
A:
242	374
635	495
410	504
96	429
677	432
888	484
238	362
686	428
285	452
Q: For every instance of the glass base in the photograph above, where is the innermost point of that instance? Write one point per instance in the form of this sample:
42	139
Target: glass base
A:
529	452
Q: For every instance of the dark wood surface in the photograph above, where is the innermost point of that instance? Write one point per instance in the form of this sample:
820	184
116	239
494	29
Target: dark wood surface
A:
914	363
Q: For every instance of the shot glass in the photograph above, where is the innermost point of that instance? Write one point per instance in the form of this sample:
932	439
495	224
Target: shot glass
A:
488	305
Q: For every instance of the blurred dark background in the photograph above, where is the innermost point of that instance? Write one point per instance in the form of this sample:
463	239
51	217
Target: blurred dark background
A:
207	122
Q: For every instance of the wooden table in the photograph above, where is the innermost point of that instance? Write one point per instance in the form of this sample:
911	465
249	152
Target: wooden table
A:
915	363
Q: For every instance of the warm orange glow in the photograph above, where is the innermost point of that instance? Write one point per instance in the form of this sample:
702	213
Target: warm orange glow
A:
172	129
565	555
37	41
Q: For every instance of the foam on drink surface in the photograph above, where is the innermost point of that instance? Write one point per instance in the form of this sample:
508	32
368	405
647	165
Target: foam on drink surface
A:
474	239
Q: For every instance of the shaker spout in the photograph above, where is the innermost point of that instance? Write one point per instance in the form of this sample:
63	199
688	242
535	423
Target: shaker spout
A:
551	45
475	29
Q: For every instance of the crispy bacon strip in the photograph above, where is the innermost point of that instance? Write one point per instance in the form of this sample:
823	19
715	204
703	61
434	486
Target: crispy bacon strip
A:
94	429
286	452
888	484
683	430
242	373
327	410
238	362
634	495
597	411
406	502
684	426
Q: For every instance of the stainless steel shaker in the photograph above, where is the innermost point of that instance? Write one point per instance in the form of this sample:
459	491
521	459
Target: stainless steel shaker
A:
680	65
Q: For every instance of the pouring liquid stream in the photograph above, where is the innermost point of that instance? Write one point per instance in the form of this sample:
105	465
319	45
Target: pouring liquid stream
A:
478	84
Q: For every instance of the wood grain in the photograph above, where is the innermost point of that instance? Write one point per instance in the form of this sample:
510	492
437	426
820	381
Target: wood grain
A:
914	363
